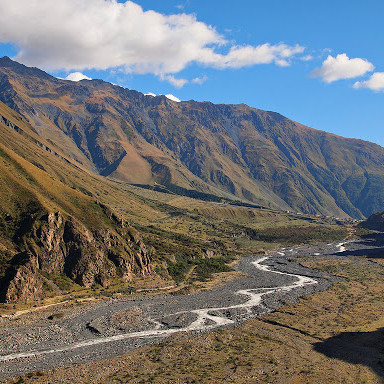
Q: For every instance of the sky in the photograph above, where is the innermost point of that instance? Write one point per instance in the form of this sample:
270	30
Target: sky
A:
318	63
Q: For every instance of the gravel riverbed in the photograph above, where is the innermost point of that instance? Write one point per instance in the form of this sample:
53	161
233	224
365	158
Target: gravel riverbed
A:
104	330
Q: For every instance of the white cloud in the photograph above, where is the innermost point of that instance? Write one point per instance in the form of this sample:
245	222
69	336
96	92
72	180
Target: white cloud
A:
306	58
375	82
199	80
282	63
244	56
77	76
342	67
173	98
178	83
150	94
76	35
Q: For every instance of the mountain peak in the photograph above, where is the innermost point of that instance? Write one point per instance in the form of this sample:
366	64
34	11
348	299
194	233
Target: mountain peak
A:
7	62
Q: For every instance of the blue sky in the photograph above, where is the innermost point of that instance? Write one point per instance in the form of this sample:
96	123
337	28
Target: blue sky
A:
319	63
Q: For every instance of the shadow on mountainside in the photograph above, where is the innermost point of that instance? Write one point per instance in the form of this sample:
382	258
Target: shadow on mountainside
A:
371	246
372	253
366	348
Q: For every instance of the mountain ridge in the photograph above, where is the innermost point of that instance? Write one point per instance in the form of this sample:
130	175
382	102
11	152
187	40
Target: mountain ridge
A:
224	149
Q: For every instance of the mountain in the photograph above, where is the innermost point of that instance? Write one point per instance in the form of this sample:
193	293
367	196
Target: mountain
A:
231	151
65	229
52	226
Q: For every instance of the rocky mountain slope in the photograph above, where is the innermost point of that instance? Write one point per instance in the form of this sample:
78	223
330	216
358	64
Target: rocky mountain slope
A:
225	150
50	227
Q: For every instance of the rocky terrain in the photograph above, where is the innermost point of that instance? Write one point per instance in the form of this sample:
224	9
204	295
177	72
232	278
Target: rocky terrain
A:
64	336
59	245
223	150
49	230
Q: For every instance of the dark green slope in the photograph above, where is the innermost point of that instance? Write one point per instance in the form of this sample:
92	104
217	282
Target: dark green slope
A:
375	222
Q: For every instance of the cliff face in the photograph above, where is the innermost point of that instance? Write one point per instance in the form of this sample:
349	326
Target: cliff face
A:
25	283
62	245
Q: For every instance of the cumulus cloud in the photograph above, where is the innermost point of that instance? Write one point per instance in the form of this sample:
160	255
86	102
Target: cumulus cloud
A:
199	80
178	83
173	98
244	56
342	67
375	82
77	76
74	35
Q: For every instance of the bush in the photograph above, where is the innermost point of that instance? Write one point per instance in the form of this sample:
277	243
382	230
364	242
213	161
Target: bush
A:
179	269
205	267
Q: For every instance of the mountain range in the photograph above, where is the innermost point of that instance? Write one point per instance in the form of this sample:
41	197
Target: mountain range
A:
230	151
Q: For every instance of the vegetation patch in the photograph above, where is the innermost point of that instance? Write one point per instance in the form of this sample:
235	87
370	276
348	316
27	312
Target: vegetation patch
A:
179	269
206	267
298	235
62	281
202	268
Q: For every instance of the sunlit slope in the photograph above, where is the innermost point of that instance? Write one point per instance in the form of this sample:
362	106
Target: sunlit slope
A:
58	219
96	127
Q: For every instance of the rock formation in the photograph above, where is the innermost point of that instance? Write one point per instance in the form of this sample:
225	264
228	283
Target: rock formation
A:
57	244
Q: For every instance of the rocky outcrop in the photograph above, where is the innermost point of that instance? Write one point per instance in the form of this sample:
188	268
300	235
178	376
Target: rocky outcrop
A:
58	244
25	283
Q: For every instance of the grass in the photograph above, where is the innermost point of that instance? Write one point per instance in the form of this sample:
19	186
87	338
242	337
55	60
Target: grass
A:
62	281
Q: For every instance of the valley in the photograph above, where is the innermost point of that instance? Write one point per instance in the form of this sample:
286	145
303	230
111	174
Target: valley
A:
88	334
273	284
133	227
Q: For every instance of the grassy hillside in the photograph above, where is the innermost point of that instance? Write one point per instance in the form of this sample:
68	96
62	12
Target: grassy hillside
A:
50	225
